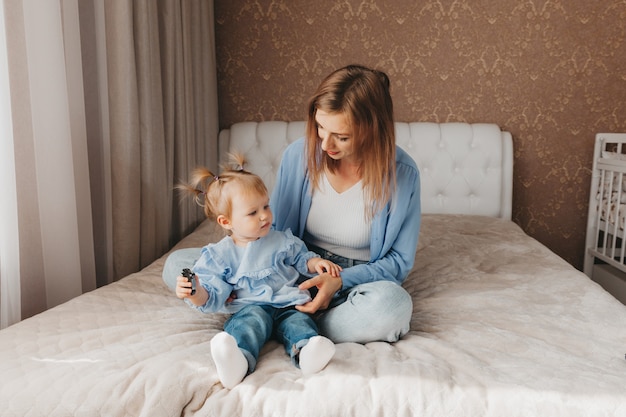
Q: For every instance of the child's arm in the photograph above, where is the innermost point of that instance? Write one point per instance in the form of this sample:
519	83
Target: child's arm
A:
210	274
321	265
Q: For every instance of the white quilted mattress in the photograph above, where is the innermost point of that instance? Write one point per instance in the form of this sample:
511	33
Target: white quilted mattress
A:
501	327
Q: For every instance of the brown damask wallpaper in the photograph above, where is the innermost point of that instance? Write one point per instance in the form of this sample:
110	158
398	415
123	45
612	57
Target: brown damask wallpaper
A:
553	73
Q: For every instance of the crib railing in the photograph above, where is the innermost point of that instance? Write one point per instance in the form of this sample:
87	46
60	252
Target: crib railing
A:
606	223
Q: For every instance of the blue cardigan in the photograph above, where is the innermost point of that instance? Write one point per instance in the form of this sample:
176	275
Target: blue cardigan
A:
394	231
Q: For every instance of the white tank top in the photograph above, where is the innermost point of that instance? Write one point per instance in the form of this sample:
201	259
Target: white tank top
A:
336	222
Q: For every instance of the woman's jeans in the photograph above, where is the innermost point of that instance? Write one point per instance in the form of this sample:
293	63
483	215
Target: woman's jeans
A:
374	311
254	325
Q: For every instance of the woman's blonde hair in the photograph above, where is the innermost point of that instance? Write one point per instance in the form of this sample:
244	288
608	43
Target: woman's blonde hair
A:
213	192
362	95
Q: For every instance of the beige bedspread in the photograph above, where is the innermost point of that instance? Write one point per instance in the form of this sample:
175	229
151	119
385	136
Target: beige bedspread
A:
501	327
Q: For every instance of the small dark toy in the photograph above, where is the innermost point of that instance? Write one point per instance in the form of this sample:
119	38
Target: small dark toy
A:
191	277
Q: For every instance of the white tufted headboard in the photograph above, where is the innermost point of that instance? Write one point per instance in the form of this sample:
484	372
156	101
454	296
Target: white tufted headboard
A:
464	168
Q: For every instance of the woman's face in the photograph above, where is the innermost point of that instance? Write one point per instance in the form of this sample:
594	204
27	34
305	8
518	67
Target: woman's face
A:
336	136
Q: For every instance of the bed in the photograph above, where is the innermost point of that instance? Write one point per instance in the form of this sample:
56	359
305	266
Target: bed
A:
501	325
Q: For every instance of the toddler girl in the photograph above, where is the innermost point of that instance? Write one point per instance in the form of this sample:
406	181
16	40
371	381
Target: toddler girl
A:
253	273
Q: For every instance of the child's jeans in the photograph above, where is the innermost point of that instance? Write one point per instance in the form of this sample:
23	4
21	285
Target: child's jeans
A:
254	325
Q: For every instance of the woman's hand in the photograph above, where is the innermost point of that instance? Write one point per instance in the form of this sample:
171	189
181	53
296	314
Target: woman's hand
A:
327	286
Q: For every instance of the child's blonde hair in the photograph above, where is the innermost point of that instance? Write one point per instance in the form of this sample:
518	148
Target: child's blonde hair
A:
213	192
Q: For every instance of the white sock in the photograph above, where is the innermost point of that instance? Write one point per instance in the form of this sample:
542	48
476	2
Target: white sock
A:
231	364
316	354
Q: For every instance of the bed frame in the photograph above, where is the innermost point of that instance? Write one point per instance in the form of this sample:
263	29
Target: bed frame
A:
465	168
501	326
605	255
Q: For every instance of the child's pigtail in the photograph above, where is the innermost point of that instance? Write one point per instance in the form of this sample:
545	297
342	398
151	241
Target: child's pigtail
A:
211	191
198	187
237	162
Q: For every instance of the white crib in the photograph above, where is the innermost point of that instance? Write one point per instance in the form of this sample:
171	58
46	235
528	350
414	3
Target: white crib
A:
605	255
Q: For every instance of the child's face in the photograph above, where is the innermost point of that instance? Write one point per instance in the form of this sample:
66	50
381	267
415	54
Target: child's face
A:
251	217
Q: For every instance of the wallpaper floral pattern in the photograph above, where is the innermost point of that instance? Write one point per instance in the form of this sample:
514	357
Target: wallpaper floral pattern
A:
553	73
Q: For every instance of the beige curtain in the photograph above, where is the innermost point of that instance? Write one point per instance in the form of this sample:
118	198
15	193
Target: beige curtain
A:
107	105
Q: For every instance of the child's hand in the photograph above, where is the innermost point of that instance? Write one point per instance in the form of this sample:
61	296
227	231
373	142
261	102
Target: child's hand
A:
324	265
183	290
183	286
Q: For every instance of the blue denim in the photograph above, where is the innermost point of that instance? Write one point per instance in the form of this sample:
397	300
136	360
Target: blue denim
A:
370	312
176	262
254	325
373	311
338	259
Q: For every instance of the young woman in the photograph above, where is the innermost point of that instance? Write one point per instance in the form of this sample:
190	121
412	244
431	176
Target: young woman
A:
354	198
252	273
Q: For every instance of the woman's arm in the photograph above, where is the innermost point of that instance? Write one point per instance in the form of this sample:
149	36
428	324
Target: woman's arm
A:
394	236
